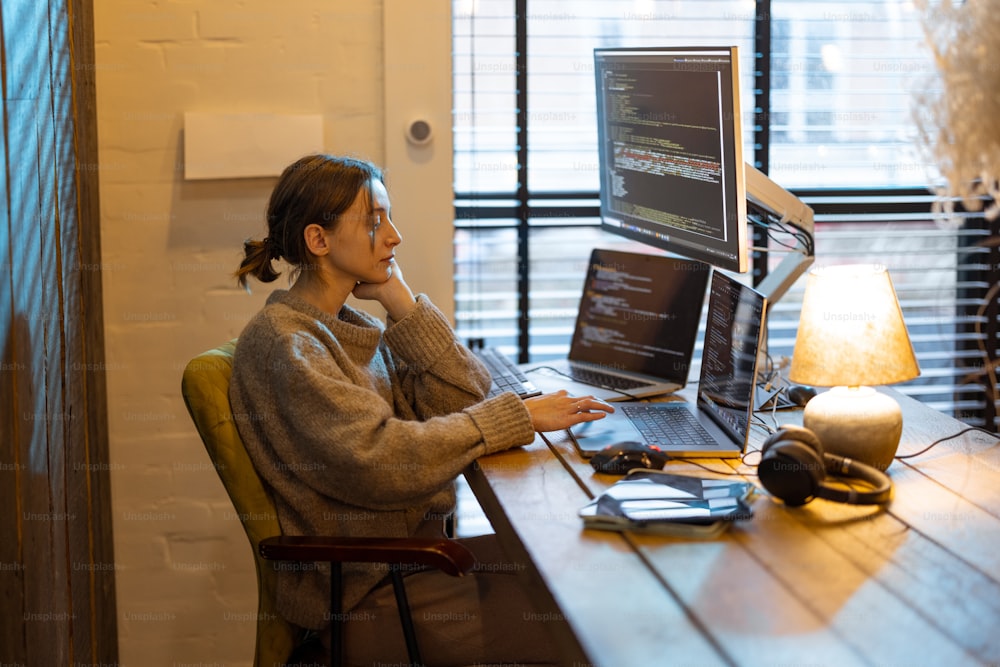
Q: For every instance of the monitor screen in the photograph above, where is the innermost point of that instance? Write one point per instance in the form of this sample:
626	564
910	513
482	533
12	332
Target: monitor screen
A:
671	152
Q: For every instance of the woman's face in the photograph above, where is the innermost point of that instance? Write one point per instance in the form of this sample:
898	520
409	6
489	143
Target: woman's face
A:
364	239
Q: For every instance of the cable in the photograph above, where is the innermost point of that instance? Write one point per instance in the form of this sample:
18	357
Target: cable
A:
759	421
733	473
989	364
705	467
945	439
804	240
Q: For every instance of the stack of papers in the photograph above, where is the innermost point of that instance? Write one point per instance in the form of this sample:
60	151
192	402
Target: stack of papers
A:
650	501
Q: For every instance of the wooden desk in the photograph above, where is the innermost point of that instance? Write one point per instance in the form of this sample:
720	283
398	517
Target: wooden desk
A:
916	583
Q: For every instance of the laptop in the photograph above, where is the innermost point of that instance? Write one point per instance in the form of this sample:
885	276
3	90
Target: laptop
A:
635	329
722	415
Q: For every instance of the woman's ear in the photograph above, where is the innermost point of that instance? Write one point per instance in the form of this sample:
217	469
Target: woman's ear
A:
315	238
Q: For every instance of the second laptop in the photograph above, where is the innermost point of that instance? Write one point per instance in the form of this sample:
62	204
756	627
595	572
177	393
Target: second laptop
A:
635	330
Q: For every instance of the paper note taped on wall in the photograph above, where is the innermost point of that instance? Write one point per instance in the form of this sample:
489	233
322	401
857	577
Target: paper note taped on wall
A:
221	145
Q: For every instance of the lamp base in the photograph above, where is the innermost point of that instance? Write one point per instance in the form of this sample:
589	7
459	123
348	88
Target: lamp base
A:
856	422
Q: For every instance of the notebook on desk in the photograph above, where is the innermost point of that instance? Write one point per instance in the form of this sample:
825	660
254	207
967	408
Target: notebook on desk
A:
635	328
720	419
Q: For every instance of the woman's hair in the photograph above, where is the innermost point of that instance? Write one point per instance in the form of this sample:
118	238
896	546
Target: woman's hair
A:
315	189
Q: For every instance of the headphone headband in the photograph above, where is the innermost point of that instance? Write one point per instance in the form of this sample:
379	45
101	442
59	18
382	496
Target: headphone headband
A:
841	466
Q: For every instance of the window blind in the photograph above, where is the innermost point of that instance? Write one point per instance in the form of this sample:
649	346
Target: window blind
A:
831	121
935	266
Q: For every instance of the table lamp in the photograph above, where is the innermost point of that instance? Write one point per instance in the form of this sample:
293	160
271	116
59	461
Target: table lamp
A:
851	336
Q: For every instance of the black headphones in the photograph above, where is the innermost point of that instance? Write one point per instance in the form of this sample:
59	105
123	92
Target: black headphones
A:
793	467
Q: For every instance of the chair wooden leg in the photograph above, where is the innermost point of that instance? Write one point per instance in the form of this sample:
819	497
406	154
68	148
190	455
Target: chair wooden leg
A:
405	618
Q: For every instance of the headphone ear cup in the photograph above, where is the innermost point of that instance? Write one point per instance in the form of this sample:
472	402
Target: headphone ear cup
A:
792	466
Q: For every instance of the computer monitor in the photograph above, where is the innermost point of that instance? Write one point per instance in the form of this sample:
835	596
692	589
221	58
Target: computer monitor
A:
671	151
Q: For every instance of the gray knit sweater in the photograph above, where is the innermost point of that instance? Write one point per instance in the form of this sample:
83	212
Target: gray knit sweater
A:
360	429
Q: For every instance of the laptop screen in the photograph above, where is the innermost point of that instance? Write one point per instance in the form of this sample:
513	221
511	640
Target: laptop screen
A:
640	313
733	334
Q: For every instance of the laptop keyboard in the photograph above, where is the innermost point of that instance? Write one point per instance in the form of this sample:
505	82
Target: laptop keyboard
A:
506	375
605	380
661	424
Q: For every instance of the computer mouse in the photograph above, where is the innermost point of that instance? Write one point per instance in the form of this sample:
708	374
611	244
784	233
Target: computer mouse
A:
799	394
619	458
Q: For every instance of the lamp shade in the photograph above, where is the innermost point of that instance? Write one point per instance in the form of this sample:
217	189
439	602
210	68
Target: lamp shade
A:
851	330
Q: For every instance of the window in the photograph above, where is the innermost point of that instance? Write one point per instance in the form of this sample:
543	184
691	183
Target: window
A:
825	99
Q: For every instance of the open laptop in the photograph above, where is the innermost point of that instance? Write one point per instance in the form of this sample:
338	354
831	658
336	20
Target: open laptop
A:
635	329
733	333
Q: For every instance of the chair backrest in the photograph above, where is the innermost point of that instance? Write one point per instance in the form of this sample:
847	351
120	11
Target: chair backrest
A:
205	388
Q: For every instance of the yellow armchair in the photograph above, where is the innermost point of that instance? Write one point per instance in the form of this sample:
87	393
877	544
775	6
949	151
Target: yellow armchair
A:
205	388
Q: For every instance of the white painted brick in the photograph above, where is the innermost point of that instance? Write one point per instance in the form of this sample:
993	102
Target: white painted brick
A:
168	247
144	489
202	60
141	131
132	21
235	21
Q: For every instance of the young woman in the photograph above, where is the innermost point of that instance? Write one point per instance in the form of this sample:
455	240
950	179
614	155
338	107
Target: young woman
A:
360	428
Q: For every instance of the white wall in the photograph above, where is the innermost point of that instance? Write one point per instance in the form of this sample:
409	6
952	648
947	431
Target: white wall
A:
417	52
185	582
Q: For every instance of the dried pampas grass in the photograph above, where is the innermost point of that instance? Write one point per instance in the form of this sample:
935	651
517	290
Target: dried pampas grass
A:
959	122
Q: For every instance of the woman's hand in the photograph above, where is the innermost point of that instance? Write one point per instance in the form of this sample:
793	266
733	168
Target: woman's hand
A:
559	410
394	294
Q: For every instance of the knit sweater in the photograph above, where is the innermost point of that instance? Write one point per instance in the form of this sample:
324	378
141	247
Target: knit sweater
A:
360	429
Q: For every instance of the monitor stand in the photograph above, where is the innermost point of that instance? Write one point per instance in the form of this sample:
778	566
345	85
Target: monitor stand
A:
769	199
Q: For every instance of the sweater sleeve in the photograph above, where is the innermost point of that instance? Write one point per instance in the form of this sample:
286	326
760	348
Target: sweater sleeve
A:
436	369
329	431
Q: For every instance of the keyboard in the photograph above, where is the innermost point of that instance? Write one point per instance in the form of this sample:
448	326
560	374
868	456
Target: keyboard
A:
506	375
597	378
659	423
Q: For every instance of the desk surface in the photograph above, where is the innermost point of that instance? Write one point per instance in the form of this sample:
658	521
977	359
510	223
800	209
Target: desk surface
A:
916	583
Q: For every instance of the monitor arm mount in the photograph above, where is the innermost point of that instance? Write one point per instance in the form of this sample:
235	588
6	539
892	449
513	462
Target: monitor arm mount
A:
771	206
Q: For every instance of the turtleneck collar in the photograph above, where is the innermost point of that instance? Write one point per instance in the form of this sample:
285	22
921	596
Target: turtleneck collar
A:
351	327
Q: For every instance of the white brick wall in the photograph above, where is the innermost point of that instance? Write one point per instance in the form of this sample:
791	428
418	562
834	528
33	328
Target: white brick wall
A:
185	580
